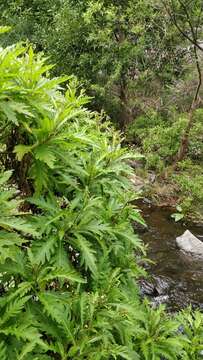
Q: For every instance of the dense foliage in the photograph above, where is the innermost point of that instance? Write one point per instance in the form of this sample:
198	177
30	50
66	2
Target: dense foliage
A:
122	47
140	61
69	256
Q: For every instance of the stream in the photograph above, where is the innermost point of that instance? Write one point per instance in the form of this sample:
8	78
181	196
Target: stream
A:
175	279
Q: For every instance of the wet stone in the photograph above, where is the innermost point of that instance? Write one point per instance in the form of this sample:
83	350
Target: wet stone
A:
159	300
146	287
162	284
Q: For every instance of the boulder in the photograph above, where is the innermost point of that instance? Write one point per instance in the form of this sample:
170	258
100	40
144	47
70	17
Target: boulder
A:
190	244
155	286
162	284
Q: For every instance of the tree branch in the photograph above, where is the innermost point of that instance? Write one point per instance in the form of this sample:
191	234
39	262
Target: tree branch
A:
199	76
193	40
173	18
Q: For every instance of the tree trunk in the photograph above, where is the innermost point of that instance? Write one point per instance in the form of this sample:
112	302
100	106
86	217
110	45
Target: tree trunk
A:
125	116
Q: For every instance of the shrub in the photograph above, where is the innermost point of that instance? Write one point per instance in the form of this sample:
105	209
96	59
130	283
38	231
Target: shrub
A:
158	336
164	140
159	138
68	276
190	184
138	129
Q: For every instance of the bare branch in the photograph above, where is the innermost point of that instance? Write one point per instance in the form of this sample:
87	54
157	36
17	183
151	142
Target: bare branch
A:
194	37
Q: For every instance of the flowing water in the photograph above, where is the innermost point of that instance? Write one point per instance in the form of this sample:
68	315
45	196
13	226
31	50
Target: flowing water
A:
176	278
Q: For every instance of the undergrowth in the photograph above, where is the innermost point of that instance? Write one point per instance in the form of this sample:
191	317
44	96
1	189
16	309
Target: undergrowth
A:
158	138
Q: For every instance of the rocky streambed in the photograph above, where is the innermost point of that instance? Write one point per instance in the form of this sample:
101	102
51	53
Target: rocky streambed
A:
175	277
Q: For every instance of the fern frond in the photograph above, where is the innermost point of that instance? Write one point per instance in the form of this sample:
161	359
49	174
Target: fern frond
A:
49	274
58	312
14	308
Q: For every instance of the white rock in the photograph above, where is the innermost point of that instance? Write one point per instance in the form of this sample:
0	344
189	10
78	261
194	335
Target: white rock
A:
137	181
190	244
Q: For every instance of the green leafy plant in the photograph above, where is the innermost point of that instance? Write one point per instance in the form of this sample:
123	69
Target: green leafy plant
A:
192	328
158	335
179	214
67	286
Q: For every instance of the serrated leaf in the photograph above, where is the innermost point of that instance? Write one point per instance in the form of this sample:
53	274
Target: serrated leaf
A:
45	154
43	250
136	216
72	276
5	176
22	150
87	254
9	223
9	112
14	308
20	108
